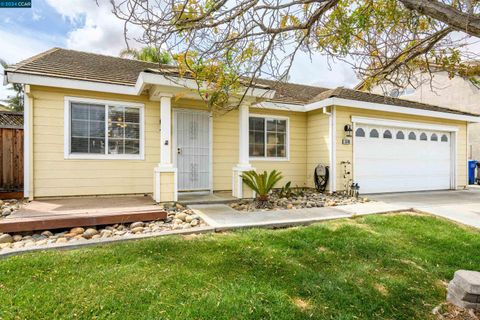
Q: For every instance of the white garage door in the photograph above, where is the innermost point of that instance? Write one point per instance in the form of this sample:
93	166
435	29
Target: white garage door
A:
389	159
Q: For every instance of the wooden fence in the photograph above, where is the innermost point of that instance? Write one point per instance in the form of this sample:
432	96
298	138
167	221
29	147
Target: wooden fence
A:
11	159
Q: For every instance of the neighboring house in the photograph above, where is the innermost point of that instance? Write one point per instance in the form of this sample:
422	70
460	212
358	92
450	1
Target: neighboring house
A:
99	125
457	93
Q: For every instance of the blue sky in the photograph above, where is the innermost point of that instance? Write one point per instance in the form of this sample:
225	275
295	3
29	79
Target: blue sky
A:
82	25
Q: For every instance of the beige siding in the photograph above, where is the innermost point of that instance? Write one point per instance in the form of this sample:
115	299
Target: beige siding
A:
56	176
225	149
318	142
295	168
345	152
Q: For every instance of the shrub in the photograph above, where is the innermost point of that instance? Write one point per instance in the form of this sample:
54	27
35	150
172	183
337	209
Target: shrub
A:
262	183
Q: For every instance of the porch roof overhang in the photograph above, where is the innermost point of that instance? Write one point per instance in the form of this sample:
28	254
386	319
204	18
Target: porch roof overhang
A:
341	102
159	83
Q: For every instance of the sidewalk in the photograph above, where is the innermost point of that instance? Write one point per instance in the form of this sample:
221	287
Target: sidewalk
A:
222	217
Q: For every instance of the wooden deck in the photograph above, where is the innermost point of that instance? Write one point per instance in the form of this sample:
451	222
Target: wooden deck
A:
81	212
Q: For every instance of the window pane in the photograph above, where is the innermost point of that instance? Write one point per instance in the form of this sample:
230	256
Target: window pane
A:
87	128
116	130
387	134
374	133
257	150
97	113
79	111
97	129
79	128
271	125
96	145
360	132
412	136
123	130
115	146
115	114
281	138
271	150
79	145
423	137
257	124
400	135
282	125
132	146
132	115
132	131
259	138
281	151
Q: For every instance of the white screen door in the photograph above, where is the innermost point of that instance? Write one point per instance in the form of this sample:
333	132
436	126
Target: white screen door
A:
192	153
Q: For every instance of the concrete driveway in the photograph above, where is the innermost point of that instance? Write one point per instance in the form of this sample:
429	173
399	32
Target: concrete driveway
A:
458	205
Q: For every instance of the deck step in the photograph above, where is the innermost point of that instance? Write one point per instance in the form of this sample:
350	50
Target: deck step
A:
60	221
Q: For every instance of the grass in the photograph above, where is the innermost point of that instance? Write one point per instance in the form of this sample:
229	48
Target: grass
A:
376	267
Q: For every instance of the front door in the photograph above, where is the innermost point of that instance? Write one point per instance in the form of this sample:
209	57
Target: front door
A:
192	149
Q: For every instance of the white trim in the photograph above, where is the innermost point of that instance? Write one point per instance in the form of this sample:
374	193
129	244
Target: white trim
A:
333	150
165	130
403	124
210	142
40	80
78	156
388	108
26	144
287	138
144	78
279	106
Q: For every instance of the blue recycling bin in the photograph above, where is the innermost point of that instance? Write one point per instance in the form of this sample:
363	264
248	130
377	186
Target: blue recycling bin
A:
472	164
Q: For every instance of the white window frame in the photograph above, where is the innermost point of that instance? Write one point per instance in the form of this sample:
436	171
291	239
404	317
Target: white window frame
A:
287	138
105	156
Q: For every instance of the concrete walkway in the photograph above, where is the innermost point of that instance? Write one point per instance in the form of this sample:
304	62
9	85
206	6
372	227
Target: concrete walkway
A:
458	205
222	216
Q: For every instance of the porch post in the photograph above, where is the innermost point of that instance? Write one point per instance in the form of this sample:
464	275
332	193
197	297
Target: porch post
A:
243	165
165	174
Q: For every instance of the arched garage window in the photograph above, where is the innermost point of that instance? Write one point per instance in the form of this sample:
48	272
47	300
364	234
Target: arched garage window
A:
434	137
374	133
360	132
412	136
400	135
444	138
387	134
423	136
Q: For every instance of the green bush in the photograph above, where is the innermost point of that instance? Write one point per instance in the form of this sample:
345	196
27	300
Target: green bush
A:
262	183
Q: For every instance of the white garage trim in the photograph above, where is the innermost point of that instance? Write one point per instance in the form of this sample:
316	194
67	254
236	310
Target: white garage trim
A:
404	124
452	130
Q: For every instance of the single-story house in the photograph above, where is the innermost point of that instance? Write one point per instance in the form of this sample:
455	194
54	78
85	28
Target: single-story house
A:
101	125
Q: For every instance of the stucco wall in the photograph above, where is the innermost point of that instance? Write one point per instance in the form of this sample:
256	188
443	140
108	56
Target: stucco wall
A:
345	152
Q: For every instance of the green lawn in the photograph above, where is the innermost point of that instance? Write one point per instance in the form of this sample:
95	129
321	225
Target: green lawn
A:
377	267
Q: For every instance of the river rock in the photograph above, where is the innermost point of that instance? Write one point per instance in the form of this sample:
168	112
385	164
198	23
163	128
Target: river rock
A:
137	230
6	238
17	237
136	225
77	230
89	233
47	233
181	216
6	212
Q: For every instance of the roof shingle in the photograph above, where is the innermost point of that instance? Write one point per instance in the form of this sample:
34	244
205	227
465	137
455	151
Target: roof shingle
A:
70	64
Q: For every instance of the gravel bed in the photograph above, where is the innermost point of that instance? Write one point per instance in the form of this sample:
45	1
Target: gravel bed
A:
178	218
9	206
309	198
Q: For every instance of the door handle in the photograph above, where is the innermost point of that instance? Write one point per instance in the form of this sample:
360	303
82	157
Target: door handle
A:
179	151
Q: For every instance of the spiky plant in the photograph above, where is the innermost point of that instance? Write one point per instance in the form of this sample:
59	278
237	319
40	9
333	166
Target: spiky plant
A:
262	183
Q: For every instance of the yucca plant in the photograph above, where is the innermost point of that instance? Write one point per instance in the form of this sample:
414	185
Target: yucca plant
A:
262	183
